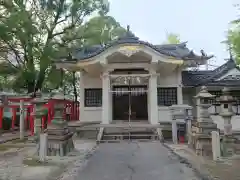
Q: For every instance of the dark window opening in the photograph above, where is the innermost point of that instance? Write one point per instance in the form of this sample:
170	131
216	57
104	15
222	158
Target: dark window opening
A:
167	96
225	106
93	98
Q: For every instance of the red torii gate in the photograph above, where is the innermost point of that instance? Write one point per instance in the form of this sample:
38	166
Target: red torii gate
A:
13	102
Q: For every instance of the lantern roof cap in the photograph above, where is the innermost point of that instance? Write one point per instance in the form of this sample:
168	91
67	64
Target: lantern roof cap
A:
226	90
203	93
226	96
183	106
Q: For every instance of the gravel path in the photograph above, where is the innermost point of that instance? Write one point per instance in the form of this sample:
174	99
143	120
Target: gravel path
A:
134	161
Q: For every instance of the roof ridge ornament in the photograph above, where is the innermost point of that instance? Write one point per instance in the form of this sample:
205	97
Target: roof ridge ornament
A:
128	28
128	35
203	53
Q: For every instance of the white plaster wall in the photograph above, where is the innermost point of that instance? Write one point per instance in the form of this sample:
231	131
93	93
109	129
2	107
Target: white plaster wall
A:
164	114
168	80
90	114
188	98
91	81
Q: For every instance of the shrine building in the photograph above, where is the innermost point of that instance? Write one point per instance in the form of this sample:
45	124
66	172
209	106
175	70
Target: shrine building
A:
135	81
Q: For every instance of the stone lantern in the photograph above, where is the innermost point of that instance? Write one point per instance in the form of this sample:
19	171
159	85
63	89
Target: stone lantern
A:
201	134
59	136
38	112
181	114
203	99
226	110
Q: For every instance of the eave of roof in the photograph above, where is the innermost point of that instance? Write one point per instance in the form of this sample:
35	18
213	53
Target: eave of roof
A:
199	78
178	51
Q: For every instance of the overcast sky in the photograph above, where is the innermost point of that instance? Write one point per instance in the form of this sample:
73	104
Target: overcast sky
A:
202	23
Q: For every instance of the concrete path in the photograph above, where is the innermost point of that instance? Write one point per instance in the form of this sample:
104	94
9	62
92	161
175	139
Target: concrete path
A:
134	161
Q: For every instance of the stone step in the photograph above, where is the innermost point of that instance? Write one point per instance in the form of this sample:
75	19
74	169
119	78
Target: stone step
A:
109	135
127	130
123	136
128	140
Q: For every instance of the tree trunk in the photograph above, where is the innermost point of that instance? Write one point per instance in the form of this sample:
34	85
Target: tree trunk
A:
40	80
30	87
74	86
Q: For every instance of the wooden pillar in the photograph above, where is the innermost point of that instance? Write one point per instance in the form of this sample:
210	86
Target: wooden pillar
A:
153	98
105	98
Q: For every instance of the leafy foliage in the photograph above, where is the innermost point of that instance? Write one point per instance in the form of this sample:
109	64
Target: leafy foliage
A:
34	32
233	40
172	38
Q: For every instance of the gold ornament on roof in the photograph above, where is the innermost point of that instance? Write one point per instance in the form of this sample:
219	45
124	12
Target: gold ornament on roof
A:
129	50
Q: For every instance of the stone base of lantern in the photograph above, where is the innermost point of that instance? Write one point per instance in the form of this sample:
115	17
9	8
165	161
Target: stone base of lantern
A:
201	139
229	145
59	147
203	145
60	141
205	127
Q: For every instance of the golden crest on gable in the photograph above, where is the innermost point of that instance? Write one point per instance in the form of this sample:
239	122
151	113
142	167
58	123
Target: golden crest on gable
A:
129	50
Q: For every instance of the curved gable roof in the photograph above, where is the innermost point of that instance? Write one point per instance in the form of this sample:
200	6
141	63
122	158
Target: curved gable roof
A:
178	51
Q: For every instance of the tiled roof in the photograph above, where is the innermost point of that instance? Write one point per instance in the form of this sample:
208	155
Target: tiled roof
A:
179	51
198	78
191	78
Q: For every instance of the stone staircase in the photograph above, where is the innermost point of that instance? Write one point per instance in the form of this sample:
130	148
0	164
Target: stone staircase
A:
118	134
88	132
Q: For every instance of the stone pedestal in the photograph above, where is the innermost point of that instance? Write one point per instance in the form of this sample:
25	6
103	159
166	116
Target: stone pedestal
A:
201	137
60	141
228	145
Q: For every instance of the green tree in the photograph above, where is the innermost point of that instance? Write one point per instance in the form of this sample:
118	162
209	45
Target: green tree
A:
35	32
172	38
102	29
99	30
233	38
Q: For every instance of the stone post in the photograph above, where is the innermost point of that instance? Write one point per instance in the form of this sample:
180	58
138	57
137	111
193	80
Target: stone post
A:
21	128
189	119
43	147
216	145
226	111
174	131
